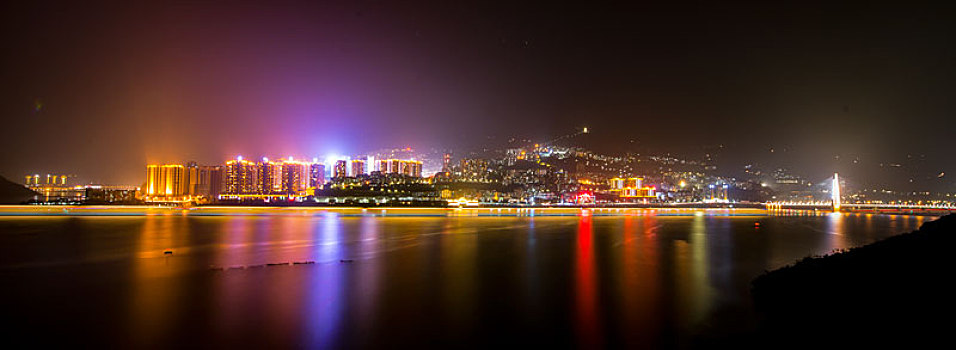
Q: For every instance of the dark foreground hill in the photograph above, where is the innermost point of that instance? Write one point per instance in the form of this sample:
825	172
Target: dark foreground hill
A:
13	193
896	291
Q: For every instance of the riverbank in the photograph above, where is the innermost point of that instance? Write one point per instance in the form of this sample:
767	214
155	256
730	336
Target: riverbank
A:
894	290
66	210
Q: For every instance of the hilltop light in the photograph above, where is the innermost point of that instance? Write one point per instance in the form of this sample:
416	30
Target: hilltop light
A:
585	130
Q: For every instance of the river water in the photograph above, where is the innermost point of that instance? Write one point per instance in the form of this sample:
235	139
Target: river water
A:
322	279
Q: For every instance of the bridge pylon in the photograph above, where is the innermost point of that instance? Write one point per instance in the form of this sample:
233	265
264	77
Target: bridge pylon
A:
835	192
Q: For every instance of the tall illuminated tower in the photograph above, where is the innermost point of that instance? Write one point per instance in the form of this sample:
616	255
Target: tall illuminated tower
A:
835	192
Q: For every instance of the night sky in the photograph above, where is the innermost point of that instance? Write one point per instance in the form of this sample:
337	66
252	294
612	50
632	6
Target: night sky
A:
99	89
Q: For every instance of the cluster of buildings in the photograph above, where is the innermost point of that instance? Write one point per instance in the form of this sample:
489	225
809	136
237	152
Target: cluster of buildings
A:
358	167
269	178
535	174
286	179
632	187
60	189
532	175
181	182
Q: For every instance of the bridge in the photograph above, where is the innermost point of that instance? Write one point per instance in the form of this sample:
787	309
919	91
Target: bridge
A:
836	204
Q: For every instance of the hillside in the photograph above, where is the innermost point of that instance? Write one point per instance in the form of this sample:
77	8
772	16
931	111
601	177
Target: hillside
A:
13	193
896	290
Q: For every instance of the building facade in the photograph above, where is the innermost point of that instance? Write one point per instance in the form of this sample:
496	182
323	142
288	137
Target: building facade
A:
241	177
294	177
316	175
168	180
357	168
340	169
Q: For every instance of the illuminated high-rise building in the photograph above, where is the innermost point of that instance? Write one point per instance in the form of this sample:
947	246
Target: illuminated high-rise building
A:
168	180
294	176
54	188
270	177
207	180
632	187
357	167
395	166
341	169
413	168
446	163
616	183
634	182
242	177
192	177
316	175
398	166
50	179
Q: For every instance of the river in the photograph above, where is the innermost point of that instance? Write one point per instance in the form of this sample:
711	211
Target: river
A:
369	278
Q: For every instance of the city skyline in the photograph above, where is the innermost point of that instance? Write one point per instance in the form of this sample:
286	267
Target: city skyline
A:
288	174
537	174
908	174
98	86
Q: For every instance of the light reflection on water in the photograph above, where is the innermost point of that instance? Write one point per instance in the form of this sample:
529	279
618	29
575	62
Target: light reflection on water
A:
326	290
589	280
586	285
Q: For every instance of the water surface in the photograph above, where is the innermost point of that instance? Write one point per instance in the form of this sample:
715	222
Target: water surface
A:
578	280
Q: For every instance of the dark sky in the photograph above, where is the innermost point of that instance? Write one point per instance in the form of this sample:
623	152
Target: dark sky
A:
122	84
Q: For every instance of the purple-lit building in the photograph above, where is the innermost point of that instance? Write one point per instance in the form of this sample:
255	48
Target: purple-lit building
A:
316	175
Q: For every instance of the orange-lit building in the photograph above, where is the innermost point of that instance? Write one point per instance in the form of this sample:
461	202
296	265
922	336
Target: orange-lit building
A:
473	169
395	166
168	180
294	176
357	167
204	180
398	166
270	177
58	193
632	187
50	179
241	177
413	168
341	169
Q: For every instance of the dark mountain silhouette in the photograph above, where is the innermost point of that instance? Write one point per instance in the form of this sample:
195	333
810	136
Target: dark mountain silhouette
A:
895	291
14	193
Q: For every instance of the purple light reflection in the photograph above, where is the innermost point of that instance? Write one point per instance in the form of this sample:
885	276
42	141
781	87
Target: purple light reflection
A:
326	286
